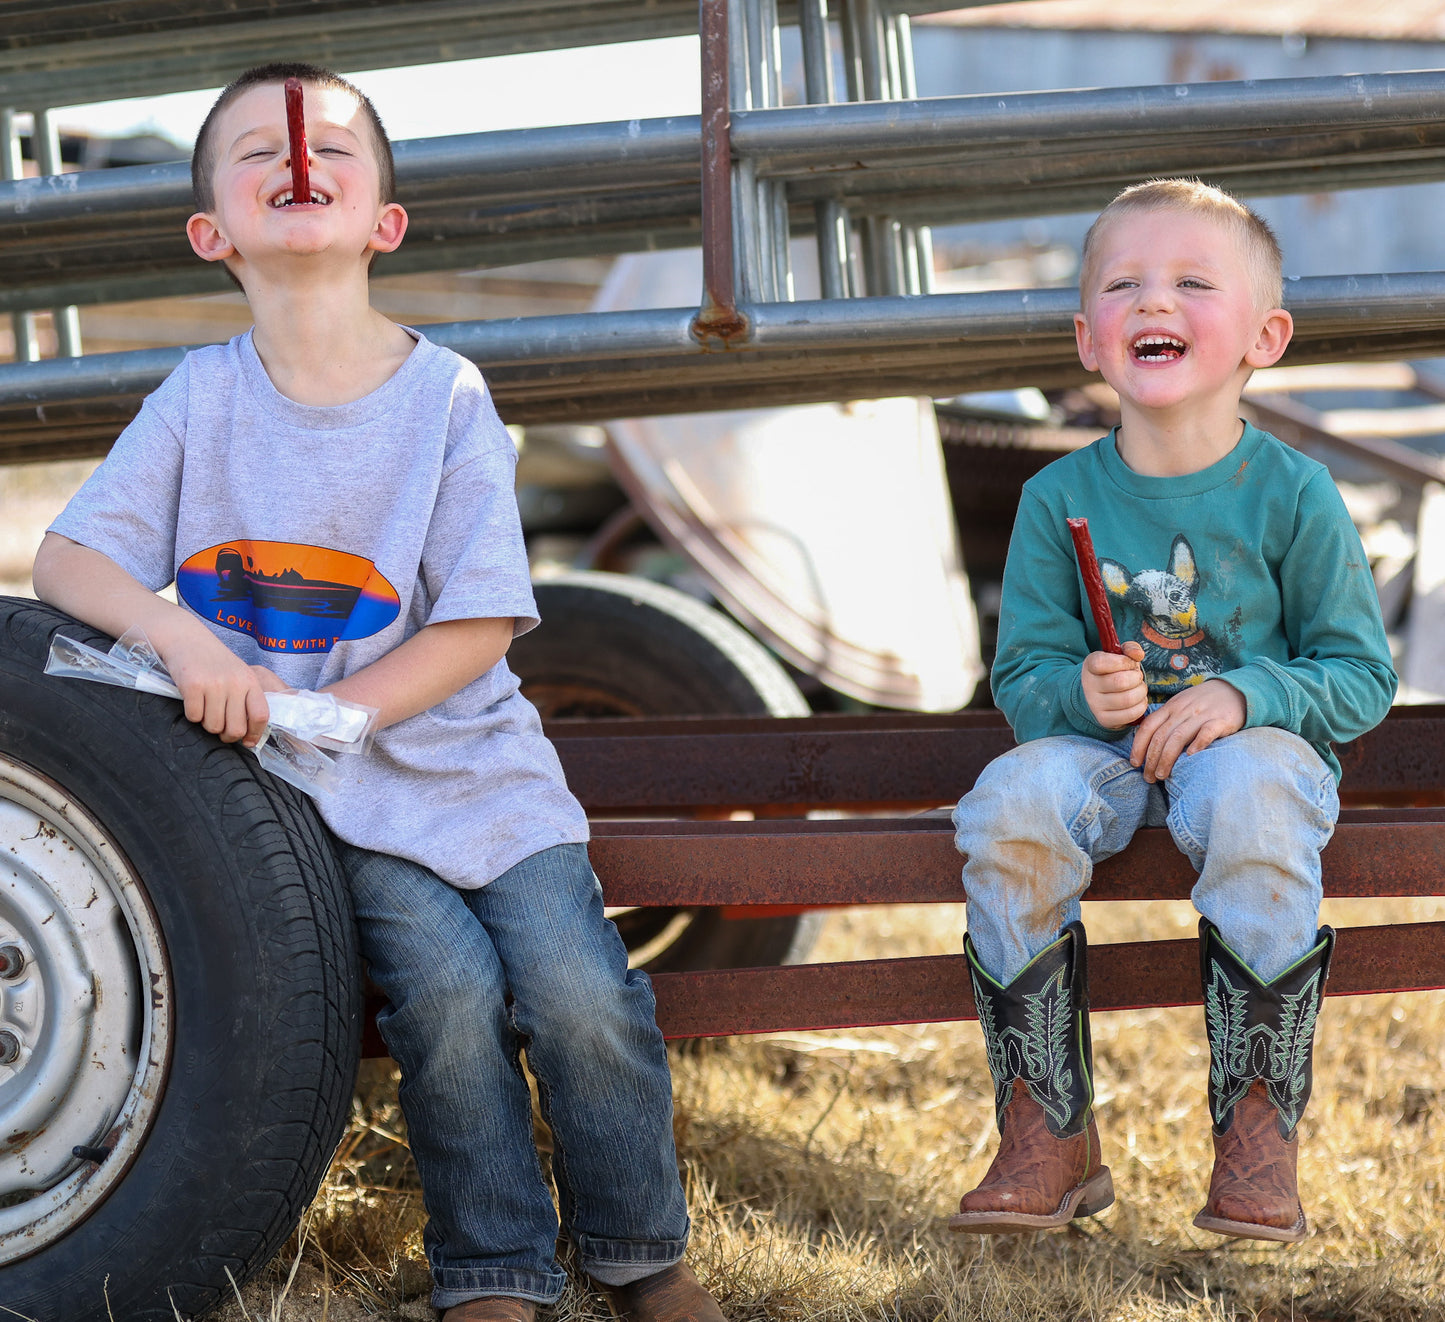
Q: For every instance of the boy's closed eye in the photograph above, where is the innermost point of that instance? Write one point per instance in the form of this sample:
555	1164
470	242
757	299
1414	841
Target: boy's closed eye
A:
1185	282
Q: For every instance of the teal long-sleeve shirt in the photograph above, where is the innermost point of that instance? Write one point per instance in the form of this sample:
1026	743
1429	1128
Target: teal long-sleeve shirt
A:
1248	571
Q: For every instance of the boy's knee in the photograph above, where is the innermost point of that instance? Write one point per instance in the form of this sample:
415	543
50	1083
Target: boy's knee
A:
1049	789
1030	774
581	1002
1265	775
443	989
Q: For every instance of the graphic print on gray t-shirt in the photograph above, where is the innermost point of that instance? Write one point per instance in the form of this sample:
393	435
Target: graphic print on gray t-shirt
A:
287	596
223	485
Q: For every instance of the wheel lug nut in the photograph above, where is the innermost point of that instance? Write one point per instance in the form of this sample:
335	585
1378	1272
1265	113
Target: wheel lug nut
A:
9	1047
12	961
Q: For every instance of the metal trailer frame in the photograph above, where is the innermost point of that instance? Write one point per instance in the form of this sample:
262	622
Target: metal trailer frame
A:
1390	842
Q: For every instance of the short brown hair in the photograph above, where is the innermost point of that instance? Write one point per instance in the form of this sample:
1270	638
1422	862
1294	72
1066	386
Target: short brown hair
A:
1261	248
203	157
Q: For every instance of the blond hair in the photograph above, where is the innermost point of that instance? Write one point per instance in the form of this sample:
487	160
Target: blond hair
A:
1190	196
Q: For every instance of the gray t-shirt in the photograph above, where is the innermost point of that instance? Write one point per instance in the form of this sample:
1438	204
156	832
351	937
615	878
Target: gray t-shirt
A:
315	540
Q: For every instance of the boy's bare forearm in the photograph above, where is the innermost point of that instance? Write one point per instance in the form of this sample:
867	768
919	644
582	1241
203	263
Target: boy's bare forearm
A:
427	668
93	588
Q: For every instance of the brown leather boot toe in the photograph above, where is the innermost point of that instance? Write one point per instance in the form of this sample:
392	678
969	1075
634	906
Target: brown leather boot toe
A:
1036	1181
494	1308
671	1295
1254	1191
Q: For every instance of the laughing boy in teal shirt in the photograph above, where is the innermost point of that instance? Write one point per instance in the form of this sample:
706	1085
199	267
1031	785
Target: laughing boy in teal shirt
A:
1253	641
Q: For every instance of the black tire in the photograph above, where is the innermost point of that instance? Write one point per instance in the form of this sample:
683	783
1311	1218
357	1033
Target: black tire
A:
259	982
613	645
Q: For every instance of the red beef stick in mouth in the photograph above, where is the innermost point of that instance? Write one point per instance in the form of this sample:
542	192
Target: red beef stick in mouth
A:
296	131
1094	586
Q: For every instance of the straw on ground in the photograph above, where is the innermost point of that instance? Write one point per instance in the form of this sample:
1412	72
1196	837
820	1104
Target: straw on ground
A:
821	1168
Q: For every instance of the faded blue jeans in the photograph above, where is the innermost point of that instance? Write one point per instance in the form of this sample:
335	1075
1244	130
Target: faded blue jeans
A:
1251	812
471	979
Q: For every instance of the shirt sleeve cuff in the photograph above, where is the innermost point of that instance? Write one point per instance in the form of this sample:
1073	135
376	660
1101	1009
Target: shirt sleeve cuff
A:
523	614
1266	702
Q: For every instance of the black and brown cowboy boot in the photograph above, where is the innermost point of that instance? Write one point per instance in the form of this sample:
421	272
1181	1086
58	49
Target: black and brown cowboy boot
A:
1047	1169
1261	1038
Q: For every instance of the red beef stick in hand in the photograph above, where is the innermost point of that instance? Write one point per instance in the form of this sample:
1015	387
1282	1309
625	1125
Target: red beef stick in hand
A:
1112	691
296	130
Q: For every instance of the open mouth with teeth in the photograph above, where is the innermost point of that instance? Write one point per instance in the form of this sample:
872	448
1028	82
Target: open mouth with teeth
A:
287	200
1155	348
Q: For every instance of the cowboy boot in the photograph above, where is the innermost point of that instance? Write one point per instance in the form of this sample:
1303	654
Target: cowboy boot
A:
1261	1035
492	1308
673	1294
1036	1030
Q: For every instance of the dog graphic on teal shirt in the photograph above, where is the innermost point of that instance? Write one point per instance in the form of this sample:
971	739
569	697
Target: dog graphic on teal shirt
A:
1178	650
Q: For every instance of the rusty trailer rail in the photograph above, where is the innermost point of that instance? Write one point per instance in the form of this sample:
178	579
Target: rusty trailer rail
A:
1390	843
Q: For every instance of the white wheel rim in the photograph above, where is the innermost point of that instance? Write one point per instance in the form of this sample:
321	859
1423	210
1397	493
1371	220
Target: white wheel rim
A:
85	1022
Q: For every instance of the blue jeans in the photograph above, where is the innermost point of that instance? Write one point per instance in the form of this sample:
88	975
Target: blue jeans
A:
1251	812
472	978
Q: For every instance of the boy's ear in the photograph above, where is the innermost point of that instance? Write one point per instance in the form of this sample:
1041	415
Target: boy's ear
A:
1084	338
207	242
390	228
1273	339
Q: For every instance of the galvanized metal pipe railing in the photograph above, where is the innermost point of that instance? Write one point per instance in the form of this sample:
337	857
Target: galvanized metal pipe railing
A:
46	136
594	366
831	223
505	197
809	138
179	45
12	169
795	142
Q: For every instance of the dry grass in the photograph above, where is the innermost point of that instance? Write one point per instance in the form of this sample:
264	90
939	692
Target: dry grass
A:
821	1168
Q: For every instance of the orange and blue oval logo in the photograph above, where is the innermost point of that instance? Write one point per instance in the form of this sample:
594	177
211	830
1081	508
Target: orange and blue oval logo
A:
289	597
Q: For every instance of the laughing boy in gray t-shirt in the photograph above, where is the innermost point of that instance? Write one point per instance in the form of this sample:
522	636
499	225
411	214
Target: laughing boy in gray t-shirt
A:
332	496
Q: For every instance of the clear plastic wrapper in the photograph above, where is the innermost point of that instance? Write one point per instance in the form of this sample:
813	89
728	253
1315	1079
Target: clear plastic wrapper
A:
302	723
297	762
324	719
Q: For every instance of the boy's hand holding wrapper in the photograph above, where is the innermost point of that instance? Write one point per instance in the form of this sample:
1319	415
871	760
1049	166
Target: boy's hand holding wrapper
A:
1114	684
